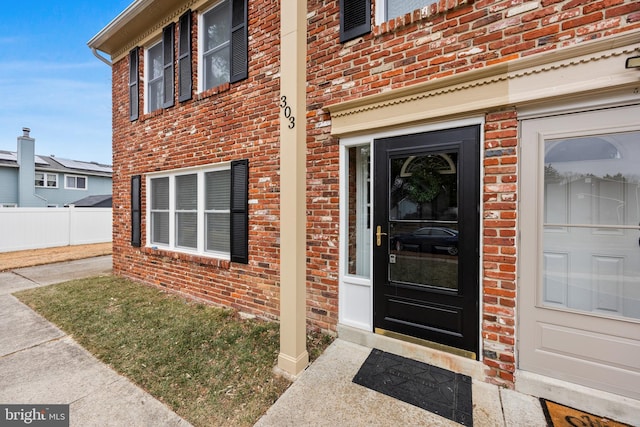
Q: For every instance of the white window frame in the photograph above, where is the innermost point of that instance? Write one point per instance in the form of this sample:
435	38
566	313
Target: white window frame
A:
381	10
86	182
201	39
201	212
46	177
147	76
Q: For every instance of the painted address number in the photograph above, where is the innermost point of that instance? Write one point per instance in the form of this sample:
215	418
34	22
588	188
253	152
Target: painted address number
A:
286	109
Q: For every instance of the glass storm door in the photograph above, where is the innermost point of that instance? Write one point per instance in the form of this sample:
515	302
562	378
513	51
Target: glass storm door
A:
580	210
425	237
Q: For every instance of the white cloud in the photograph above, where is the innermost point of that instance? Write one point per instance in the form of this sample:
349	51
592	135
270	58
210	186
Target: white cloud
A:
66	105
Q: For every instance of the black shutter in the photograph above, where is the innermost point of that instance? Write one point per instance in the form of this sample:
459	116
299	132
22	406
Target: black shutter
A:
185	78
240	211
239	48
136	215
133	84
168	75
355	19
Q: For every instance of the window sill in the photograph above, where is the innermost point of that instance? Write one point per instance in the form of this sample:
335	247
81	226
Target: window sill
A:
418	15
154	113
223	264
224	87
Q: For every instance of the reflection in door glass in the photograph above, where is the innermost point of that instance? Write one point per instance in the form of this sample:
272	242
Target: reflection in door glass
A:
423	220
591	224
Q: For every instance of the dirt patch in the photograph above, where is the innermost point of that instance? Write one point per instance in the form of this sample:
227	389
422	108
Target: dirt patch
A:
31	257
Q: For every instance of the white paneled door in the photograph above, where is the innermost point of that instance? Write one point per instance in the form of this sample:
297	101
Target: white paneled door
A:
579	282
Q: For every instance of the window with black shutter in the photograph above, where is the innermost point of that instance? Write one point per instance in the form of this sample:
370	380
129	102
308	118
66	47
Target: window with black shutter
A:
136	216
209	207
224	44
168	75
355	19
185	79
133	84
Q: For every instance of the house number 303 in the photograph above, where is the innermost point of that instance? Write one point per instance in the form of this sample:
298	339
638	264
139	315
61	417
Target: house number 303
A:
286	109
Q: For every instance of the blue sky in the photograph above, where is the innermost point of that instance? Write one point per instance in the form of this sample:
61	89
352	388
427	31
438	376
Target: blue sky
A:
50	81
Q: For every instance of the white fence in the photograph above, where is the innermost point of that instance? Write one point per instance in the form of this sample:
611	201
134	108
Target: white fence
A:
33	228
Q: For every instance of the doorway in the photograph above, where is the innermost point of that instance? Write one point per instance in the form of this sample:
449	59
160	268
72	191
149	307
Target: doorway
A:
579	292
425	236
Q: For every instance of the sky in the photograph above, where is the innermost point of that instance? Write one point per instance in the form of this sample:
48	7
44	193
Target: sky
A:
50	81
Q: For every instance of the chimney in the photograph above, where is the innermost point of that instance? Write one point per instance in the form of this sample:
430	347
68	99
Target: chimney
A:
27	170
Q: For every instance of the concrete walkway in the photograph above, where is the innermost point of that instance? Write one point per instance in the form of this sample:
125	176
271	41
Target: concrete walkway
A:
324	395
40	364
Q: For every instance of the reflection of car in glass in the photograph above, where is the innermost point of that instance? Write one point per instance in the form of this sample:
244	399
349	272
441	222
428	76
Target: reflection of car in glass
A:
428	239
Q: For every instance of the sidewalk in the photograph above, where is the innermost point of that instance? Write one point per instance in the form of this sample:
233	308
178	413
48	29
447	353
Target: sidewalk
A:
40	364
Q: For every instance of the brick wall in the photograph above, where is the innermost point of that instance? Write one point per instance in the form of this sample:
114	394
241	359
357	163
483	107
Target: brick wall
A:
242	121
226	123
499	245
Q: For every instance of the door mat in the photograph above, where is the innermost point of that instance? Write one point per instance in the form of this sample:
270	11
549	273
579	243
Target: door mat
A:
560	416
428	387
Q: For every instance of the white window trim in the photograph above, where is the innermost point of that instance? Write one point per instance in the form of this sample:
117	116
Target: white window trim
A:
201	38
381	11
86	182
172	246
146	73
46	179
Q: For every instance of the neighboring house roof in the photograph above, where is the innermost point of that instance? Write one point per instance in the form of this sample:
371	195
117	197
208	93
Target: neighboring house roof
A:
56	164
97	201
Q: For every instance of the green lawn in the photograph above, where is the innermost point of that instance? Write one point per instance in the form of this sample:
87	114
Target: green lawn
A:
205	363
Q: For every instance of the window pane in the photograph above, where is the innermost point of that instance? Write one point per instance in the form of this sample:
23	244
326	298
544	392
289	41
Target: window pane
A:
81	182
160	193
154	73
187	192
216	68
52	180
216	26
187	229
216	46
218	189
71	182
591	231
154	58
218	232
359	212
39	179
160	227
155	94
423	213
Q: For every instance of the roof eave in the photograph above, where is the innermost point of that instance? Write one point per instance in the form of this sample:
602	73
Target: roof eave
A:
103	41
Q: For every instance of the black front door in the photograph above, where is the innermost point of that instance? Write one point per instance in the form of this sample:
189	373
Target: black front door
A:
426	236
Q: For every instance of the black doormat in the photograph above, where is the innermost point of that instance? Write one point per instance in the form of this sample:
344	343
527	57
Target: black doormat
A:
428	387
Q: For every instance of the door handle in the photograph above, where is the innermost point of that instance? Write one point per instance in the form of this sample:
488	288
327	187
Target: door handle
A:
379	235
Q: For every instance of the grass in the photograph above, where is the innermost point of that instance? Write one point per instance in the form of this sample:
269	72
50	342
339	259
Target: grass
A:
205	363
